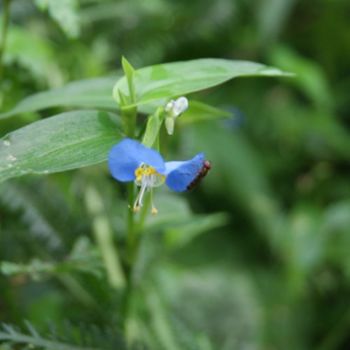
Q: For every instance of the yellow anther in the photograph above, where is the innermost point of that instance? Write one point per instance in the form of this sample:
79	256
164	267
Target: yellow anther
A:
149	171
154	211
138	172
144	170
136	209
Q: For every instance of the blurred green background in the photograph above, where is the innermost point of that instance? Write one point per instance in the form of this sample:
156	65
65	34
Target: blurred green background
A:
256	257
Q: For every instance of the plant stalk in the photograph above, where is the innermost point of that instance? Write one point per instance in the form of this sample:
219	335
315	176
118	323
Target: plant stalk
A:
4	30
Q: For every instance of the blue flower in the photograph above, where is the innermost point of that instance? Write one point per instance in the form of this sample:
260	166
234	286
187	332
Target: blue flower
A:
129	160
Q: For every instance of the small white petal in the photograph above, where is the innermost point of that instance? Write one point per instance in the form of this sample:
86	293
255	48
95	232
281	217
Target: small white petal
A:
180	105
169	106
177	107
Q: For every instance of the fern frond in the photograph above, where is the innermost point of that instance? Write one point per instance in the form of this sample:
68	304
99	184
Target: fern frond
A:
64	336
83	258
16	198
32	338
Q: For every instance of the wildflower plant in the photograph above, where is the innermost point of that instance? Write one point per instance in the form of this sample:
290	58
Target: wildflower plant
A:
125	131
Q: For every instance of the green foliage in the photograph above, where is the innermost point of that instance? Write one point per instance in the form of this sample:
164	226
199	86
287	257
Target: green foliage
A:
199	112
33	53
104	238
82	258
180	78
66	141
91	93
65	13
154	124
33	340
18	198
256	256
10	335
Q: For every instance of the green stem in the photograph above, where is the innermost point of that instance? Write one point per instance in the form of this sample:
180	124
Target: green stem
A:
5	22
129	121
129	264
143	215
129	115
131	220
134	238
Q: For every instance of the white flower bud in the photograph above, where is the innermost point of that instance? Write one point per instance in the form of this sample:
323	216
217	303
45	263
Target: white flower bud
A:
180	105
176	107
173	109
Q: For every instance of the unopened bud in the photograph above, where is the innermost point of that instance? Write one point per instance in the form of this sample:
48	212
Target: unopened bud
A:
174	108
169	125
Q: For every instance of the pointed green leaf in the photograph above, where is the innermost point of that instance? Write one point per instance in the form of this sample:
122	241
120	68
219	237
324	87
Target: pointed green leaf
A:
66	141
104	237
129	72
181	78
91	93
199	111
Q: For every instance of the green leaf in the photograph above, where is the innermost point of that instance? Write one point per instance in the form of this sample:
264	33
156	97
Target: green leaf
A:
66	141
91	93
199	111
129	72
179	235
32	52
154	123
65	13
104	237
196	112
157	84
181	78
159	320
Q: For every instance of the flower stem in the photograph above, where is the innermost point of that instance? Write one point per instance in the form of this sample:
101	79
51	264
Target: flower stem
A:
131	216
5	22
130	260
143	216
129	120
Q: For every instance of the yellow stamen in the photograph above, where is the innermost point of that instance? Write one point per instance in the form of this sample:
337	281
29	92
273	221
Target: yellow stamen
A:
138	171
154	211
146	177
136	209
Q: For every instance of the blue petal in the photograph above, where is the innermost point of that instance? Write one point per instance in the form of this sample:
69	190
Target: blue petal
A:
126	156
181	174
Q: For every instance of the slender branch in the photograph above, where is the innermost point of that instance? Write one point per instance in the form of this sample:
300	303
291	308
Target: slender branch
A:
4	27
